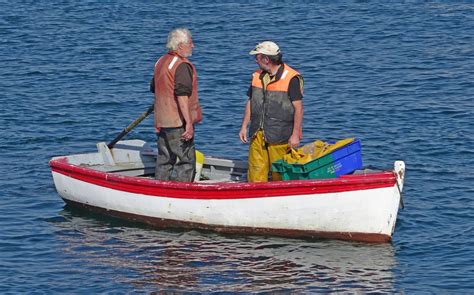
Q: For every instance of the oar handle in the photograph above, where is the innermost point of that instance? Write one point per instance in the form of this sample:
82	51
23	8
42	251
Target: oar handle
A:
131	126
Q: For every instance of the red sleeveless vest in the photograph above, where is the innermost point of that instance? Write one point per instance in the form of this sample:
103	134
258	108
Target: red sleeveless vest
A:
167	112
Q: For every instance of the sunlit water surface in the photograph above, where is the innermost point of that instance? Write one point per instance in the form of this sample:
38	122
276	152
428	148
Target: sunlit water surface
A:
399	76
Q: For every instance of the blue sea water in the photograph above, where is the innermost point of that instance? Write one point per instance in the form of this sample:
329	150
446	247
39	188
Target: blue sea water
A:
397	75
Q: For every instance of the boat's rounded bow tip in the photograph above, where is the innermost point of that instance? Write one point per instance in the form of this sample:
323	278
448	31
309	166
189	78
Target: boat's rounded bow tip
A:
399	165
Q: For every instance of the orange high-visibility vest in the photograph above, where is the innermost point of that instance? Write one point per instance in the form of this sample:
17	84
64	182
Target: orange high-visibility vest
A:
271	109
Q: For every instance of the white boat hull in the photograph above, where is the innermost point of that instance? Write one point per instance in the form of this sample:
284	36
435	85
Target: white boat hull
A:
366	214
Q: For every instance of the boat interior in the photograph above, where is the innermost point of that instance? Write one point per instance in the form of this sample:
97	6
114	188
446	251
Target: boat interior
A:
137	158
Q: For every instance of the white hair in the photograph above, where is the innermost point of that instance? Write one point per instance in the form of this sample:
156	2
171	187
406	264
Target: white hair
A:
178	36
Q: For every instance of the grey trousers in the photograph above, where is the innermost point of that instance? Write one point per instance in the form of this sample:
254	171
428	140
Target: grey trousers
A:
171	148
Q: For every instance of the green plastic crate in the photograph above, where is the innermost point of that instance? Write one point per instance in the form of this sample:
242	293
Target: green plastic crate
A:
342	161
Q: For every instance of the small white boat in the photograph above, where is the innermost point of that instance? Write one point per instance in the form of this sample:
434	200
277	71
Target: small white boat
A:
362	206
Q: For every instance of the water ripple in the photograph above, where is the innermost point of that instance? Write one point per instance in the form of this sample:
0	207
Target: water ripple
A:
398	76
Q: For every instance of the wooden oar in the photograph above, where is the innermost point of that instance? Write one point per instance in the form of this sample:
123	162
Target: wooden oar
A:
131	126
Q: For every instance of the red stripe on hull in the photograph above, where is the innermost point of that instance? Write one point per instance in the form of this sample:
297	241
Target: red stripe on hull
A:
227	190
162	223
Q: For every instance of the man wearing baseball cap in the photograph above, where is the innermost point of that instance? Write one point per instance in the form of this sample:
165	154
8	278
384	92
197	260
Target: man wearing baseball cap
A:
274	110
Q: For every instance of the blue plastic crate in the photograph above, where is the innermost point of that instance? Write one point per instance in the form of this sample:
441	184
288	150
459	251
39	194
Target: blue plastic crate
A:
342	161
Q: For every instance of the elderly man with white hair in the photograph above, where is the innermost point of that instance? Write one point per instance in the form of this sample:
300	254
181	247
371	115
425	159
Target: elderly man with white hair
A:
274	110
177	108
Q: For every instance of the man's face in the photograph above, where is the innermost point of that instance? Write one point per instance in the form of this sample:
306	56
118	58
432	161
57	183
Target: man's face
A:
262	61
186	49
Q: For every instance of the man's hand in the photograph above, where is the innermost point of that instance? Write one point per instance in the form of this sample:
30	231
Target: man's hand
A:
243	134
294	140
188	132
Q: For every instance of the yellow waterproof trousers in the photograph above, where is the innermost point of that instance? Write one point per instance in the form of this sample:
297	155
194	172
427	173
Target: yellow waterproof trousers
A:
261	157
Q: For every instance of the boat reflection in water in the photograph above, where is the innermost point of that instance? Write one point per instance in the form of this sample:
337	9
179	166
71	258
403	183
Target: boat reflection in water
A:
150	260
